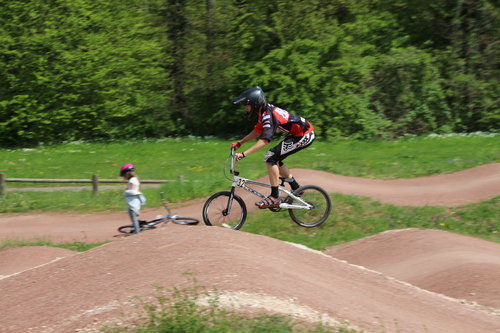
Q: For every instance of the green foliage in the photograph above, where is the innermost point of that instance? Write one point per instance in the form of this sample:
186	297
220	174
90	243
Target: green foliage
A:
76	70
72	70
412	101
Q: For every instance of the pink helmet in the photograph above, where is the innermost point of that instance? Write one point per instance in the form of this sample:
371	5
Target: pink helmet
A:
126	168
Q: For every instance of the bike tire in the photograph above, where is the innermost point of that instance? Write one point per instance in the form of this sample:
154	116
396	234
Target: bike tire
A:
186	220
321	201
214	211
127	229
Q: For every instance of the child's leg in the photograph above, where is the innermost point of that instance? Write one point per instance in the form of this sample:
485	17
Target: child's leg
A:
135	221
289	146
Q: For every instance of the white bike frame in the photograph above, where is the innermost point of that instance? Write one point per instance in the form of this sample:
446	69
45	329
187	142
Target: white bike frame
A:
242	182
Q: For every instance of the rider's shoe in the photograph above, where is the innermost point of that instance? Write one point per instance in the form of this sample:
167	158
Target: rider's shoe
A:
268	202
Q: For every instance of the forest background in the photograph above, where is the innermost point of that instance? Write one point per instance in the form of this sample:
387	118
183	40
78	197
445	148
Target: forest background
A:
368	69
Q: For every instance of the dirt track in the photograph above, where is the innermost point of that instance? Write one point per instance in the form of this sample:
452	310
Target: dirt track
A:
407	271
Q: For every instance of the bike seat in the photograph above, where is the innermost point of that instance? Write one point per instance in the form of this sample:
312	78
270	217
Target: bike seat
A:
286	180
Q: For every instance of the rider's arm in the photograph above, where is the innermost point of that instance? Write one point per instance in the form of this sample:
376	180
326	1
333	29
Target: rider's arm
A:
251	136
258	145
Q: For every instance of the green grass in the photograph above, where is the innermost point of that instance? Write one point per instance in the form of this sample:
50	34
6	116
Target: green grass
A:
408	157
200	162
73	246
195	158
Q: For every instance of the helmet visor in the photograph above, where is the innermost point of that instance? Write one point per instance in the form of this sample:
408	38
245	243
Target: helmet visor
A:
240	99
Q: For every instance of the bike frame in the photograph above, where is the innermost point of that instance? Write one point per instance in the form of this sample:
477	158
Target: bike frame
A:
242	182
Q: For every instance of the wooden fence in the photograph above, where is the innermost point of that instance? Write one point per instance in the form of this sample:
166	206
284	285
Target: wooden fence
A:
94	181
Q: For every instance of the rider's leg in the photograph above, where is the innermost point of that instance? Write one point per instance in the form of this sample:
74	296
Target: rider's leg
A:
274	172
285	173
274	158
287	147
135	220
274	177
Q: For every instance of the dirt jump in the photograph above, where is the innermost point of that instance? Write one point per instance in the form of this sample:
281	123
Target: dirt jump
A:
411	280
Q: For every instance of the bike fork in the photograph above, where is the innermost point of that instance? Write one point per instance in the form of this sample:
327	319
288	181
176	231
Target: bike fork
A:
227	211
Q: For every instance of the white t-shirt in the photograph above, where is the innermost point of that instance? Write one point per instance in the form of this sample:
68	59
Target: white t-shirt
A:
134	198
135	181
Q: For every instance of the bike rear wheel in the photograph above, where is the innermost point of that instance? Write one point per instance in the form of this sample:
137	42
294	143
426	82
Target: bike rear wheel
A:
185	220
144	225
317	197
215	211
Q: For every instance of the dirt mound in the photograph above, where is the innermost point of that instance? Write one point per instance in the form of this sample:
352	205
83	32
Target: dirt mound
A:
457	266
15	260
83	289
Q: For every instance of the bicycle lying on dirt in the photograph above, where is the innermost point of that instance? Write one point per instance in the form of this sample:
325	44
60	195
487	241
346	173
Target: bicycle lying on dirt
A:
148	225
308	206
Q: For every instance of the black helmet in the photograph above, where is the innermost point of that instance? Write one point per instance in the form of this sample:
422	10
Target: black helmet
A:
254	97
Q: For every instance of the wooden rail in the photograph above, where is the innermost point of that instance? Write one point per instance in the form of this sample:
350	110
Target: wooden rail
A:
94	181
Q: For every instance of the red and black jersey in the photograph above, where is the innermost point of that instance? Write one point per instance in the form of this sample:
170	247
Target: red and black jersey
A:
275	119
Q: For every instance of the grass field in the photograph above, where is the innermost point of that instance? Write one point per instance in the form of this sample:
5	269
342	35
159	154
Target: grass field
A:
201	162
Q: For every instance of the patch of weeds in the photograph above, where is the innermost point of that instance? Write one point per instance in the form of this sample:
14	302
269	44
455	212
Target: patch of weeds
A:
178	310
73	246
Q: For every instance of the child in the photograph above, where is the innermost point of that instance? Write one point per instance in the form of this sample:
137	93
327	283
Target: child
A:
133	196
271	119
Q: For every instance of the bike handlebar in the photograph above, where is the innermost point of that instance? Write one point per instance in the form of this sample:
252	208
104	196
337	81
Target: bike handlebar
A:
164	203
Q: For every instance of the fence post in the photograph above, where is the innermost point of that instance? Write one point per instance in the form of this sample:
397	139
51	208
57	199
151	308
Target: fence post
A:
95	184
2	184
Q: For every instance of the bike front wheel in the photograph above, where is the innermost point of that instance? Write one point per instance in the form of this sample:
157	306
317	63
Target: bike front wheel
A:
127	229
220	210
321	202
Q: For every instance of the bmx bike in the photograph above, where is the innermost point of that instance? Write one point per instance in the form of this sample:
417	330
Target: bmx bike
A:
308	206
148	225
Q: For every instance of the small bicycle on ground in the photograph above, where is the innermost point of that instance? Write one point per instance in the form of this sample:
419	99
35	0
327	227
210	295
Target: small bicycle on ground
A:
308	206
147	225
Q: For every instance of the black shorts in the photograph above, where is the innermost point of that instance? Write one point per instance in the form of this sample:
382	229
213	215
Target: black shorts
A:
290	145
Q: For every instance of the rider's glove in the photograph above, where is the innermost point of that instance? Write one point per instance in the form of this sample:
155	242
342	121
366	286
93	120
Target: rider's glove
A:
239	156
235	145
